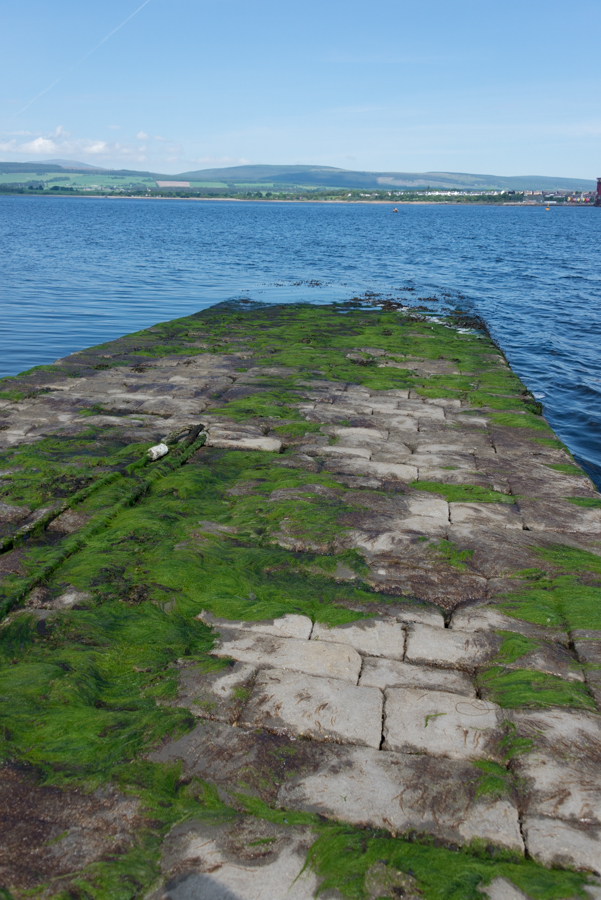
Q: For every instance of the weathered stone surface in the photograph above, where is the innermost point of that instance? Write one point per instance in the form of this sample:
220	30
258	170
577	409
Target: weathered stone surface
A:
440	723
589	651
372	637
486	515
561	774
487	619
325	709
215	695
551	658
423	616
311	657
559	515
502	889
556	843
10	513
288	626
388	470
562	786
446	647
402	792
385	673
242	442
68	522
243	859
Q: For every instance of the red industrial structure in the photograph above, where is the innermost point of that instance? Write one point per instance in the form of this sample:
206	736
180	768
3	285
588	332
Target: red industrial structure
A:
598	197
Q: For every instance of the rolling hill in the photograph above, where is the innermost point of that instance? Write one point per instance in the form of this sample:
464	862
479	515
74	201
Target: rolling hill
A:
306	177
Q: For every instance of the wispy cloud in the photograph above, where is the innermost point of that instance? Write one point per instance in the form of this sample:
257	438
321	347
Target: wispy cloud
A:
80	61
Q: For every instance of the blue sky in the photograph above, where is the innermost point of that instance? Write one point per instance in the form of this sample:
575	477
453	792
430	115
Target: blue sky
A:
459	85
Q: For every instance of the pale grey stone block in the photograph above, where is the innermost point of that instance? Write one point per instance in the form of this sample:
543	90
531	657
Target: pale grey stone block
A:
268	444
312	657
431	507
443	647
420	615
388	673
569	787
440	723
554	842
502	889
289	626
403	792
204	862
325	709
372	637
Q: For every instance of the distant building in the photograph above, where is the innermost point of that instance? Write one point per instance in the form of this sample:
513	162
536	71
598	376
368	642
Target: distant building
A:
173	184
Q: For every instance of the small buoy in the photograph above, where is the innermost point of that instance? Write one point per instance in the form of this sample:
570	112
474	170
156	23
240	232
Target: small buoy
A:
395	209
157	451
546	209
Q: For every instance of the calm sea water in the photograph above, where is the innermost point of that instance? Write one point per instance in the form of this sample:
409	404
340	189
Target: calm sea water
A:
78	271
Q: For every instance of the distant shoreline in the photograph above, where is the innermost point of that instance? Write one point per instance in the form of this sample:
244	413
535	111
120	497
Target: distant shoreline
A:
82	196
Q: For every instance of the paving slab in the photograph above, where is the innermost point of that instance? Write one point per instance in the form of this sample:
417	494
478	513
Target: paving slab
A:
245	859
324	709
385	673
440	723
556	843
288	626
372	637
560	785
311	657
451	648
402	792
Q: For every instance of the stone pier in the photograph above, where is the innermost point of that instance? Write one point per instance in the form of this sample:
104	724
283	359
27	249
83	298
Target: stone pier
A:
339	632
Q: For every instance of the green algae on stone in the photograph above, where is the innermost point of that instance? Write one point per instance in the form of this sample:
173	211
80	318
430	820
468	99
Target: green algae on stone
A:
463	493
524	688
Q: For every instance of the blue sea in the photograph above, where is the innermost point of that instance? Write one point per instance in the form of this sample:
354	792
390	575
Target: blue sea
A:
79	271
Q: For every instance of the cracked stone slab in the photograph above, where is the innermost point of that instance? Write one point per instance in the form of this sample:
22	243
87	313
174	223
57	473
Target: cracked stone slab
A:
288	626
243	859
450	648
387	673
553	842
440	723
324	709
402	792
372	637
311	657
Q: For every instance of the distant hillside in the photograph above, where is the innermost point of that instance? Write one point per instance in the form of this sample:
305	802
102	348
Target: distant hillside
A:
325	176
306	177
